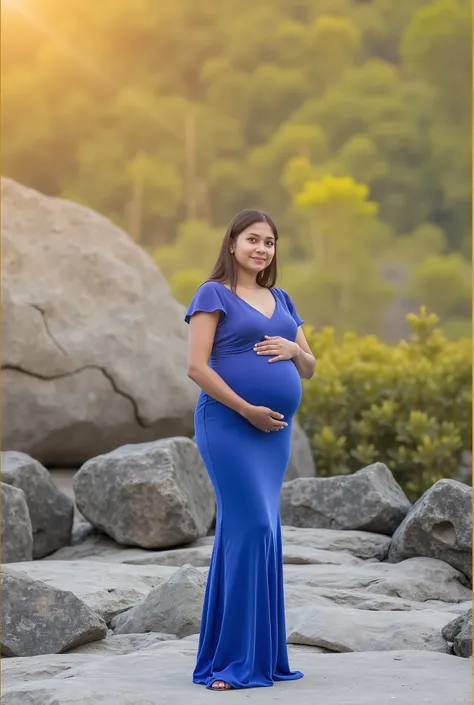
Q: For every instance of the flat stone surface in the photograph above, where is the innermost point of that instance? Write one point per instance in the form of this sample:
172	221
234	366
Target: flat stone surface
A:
345	629
300	545
163	676
111	588
121	644
101	548
416	579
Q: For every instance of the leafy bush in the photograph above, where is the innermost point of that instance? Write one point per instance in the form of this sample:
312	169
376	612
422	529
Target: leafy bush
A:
408	406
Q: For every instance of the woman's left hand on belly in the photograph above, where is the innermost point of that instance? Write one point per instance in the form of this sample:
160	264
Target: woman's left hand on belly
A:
281	348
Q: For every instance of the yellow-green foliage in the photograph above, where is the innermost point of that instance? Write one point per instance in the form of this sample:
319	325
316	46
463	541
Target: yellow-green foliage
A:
408	406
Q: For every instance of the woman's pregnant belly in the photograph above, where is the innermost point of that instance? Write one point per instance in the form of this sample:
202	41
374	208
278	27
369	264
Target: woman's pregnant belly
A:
276	385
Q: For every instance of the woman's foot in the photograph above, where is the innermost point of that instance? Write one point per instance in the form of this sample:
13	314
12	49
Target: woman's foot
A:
220	685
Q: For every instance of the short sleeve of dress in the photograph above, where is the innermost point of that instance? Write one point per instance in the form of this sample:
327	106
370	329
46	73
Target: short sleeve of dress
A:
292	308
207	298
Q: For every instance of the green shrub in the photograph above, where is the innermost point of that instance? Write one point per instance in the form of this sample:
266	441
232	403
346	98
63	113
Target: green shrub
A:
408	406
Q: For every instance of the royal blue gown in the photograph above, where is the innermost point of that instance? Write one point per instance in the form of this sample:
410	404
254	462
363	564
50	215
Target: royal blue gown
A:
243	632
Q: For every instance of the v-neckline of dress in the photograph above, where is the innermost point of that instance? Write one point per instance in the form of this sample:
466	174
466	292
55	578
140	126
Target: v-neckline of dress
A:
268	318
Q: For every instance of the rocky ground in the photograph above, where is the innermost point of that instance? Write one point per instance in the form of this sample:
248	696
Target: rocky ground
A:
377	591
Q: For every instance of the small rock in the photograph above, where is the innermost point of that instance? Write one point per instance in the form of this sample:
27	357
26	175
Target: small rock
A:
82	531
175	607
459	632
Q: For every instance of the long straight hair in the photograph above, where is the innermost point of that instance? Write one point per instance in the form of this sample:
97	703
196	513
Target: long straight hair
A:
225	268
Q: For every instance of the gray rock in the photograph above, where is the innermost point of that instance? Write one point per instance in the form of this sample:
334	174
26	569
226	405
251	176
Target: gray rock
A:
459	631
174	607
379	678
345	629
39	619
439	525
301	462
153	495
17	534
369	499
108	363
51	511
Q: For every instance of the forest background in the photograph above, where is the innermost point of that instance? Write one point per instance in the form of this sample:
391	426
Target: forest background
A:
348	121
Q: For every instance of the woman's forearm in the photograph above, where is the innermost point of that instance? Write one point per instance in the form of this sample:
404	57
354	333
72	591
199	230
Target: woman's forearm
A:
305	363
212	383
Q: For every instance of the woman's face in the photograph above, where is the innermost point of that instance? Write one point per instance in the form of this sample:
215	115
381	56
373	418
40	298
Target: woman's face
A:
254	248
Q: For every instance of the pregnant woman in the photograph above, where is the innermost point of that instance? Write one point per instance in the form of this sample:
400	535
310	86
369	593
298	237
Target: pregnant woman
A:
247	353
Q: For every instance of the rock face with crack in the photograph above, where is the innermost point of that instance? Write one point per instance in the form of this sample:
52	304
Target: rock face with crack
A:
108	363
17	534
51	511
369	499
40	619
439	525
153	495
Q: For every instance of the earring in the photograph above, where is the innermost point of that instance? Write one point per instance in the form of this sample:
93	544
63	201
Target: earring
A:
231	252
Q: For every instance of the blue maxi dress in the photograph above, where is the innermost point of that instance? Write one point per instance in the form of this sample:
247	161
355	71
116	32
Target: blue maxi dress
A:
243	632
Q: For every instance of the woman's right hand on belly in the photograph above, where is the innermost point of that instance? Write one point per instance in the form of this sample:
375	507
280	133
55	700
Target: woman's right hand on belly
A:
264	418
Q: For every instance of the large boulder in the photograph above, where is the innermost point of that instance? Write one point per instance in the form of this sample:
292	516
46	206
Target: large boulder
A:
51	511
439	525
17	534
153	495
108	363
40	619
369	500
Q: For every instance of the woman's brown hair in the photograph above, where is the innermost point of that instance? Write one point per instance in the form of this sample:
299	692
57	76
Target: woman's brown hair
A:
225	269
